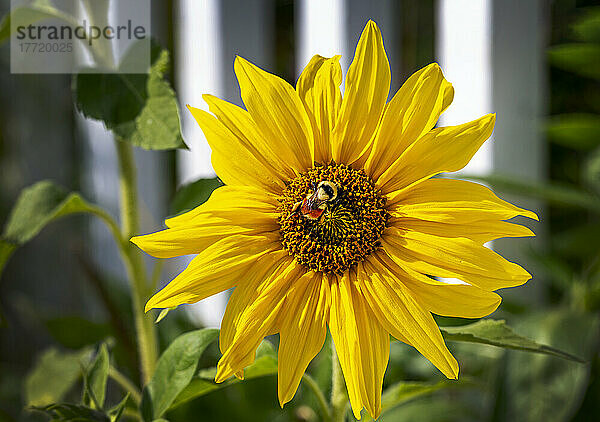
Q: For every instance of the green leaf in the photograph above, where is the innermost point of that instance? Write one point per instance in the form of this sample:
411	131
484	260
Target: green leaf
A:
563	195
96	378
582	59
116	412
193	194
27	15
66	412
265	364
174	371
53	376
587	28
37	206
497	333
139	108
577	131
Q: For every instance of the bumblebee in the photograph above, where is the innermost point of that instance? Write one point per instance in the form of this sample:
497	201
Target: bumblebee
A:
314	205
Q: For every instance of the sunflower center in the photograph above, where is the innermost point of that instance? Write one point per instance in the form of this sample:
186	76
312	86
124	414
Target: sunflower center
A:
331	217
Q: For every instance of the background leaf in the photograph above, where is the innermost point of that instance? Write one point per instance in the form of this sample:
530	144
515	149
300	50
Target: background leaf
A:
37	206
541	388
96	378
580	58
265	364
6	250
563	195
53	376
139	108
587	28
174	371
397	394
193	194
497	333
578	130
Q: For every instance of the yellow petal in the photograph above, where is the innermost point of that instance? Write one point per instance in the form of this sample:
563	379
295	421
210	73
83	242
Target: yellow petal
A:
278	112
303	331
365	95
228	202
444	149
452	257
250	286
452	201
361	343
412	112
319	90
234	163
453	300
239	122
404	317
230	210
257	320
215	269
479	231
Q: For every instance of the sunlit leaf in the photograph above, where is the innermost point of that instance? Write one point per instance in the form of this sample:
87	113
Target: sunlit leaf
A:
96	378
138	108
497	333
577	131
193	194
174	371
53	376
66	412
582	59
562	195
265	364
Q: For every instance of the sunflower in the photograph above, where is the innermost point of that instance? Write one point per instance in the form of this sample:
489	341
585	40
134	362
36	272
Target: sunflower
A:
330	219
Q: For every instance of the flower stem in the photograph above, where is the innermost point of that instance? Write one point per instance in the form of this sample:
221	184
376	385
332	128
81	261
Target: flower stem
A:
133	260
339	398
314	387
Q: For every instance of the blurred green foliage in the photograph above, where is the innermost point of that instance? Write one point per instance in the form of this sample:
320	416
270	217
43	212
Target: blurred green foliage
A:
89	370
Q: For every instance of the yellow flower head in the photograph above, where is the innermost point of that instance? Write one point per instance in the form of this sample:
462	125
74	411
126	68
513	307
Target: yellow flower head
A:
330	218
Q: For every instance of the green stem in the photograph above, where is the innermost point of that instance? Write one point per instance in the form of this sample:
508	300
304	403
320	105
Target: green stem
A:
133	260
314	387
126	384
339	398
